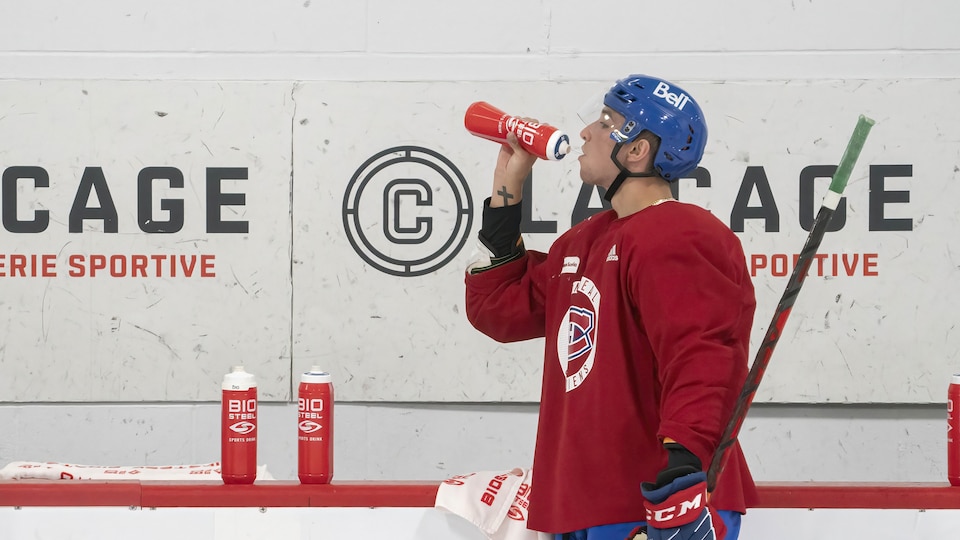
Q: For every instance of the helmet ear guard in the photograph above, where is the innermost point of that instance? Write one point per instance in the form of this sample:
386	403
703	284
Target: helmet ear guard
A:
666	110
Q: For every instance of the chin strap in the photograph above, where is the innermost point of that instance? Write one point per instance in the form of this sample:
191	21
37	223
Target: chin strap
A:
624	174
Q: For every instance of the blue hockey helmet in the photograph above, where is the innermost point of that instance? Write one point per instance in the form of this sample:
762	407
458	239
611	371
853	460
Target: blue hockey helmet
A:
667	111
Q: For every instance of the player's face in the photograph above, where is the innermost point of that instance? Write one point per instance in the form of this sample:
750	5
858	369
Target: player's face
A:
596	167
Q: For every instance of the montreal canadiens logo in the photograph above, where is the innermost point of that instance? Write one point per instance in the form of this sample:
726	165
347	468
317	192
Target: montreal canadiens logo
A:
243	427
309	426
581	334
577	335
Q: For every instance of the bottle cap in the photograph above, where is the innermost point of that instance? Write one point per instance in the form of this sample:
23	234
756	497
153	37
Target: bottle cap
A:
239	379
955	379
315	375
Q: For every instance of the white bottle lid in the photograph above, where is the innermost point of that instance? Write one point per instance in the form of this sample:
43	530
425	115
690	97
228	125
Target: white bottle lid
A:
238	379
955	379
315	375
558	146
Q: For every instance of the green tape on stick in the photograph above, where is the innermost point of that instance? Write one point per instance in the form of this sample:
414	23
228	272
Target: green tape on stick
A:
851	154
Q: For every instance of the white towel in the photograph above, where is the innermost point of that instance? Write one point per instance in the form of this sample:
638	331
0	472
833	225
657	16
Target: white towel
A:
495	501
49	470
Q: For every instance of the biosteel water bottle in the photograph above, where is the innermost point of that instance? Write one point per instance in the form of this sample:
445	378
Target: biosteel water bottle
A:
315	427
542	140
953	431
238	428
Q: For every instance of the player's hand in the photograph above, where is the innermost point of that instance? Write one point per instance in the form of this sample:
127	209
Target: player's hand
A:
678	510
513	167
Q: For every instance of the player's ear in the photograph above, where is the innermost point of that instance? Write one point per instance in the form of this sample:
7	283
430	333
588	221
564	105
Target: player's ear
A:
637	151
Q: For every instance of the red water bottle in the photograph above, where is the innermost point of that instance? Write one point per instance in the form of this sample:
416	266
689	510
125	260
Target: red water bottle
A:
238	428
953	431
542	140
315	427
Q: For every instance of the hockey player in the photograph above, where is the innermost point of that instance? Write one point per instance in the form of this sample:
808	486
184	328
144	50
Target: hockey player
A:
646	310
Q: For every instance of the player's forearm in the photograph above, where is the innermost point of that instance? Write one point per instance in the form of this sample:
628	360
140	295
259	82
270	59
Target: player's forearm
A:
506	192
698	390
504	303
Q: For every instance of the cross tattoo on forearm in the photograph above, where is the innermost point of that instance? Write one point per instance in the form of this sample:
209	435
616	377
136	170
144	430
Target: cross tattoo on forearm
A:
506	196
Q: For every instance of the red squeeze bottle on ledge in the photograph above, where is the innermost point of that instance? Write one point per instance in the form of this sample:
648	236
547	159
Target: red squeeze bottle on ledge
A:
315	427
238	428
542	140
953	431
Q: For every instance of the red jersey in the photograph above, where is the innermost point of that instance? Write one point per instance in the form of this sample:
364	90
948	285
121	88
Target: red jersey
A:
647	322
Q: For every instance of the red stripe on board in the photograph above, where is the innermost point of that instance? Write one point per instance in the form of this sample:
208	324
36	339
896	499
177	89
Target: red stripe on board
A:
161	494
401	494
393	494
288	493
70	493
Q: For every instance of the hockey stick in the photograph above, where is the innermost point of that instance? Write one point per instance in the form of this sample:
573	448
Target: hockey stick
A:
775	330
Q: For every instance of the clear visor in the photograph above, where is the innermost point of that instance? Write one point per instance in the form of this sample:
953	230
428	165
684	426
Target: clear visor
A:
593	110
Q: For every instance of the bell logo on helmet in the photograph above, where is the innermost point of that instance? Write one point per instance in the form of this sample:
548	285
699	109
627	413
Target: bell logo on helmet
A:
677	100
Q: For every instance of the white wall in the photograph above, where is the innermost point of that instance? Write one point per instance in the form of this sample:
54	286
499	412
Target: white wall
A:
502	40
378	40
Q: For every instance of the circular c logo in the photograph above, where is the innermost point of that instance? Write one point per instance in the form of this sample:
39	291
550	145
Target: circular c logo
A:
407	211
